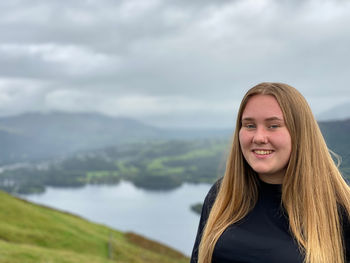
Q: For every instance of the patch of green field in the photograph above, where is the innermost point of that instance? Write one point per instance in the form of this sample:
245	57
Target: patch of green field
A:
163	170
126	170
99	174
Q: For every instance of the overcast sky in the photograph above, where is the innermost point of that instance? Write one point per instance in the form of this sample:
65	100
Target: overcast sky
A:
169	63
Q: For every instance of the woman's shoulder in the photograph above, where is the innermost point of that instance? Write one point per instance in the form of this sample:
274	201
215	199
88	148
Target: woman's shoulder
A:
344	218
211	196
215	187
345	223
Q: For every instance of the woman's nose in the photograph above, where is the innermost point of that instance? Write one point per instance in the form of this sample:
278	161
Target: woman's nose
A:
260	136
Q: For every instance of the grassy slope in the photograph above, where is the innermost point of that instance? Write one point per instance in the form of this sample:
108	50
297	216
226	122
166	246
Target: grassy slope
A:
31	233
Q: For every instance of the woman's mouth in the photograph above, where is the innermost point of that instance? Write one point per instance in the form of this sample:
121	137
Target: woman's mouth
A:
262	152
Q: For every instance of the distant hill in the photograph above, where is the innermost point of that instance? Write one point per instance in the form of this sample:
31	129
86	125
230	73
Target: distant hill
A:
58	124
153	165
337	136
339	112
34	136
156	165
12	145
36	234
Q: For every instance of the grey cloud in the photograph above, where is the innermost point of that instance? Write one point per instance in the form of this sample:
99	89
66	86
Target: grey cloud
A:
209	51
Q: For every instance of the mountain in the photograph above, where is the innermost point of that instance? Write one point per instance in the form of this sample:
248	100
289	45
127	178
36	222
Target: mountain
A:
59	123
12	146
33	136
339	112
33	234
337	136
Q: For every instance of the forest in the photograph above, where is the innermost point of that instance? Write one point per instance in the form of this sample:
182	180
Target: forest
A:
154	165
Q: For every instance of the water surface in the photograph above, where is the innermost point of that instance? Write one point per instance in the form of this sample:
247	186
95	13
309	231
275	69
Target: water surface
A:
163	216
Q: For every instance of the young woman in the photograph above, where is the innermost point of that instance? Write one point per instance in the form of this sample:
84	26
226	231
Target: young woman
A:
282	198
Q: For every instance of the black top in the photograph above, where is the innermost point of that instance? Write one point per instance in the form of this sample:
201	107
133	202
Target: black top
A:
262	236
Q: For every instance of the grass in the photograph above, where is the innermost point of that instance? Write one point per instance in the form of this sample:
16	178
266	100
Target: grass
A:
32	233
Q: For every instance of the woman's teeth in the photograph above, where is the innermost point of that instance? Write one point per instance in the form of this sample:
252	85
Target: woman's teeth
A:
262	152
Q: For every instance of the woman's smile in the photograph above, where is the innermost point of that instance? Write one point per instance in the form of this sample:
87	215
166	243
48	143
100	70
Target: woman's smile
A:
262	153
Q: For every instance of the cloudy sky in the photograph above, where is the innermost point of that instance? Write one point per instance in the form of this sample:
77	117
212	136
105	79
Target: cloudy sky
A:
171	63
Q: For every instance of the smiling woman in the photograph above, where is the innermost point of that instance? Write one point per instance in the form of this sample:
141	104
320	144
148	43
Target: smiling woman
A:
282	198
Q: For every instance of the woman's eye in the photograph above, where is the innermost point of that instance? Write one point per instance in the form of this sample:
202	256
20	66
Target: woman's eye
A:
250	126
273	126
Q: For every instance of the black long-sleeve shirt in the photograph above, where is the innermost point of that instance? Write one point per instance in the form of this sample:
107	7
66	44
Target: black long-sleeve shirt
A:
262	236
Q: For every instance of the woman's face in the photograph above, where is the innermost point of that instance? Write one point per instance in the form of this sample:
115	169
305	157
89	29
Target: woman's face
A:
264	139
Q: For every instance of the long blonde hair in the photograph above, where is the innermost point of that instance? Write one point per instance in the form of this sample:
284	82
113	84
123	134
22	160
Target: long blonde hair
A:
313	189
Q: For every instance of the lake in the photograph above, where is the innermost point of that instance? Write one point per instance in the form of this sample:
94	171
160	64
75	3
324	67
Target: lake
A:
164	216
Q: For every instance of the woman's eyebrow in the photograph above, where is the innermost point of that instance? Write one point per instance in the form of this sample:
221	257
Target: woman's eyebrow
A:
248	119
268	119
274	119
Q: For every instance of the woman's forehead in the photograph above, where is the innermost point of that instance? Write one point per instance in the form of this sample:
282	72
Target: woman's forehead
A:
262	107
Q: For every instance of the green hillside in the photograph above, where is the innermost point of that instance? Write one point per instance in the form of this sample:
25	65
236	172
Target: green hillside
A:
31	233
153	165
